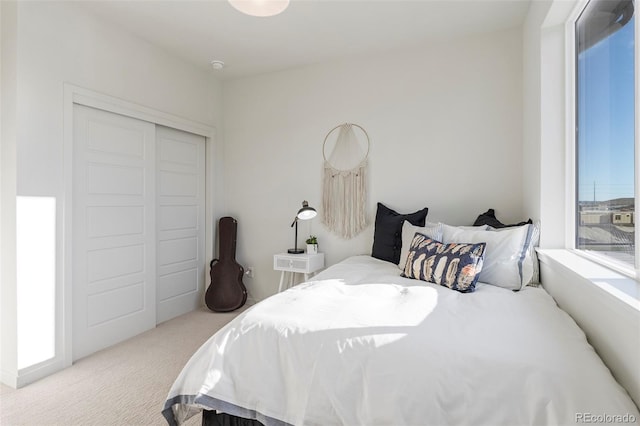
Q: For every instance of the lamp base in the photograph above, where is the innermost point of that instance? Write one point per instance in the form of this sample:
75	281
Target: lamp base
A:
295	251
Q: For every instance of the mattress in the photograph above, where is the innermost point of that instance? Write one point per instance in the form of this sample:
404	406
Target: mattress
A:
361	345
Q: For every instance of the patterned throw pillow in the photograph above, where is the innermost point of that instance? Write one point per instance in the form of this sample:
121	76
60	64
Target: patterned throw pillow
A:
453	265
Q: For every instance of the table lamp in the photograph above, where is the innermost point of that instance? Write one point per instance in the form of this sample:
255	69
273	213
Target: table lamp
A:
305	213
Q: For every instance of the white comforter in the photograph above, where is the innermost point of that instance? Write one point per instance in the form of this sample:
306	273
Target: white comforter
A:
359	345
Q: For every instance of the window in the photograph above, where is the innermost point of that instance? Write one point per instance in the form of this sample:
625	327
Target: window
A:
605	130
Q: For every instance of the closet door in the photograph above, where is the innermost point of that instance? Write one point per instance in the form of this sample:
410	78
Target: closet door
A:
114	229
181	210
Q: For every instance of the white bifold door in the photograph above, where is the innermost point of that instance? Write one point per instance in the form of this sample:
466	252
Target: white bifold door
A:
138	226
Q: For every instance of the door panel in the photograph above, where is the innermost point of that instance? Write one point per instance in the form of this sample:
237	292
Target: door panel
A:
113	262
112	179
114	242
173	184
181	207
176	284
174	218
126	300
103	221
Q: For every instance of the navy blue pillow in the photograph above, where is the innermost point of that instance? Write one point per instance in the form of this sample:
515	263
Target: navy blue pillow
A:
489	218
387	236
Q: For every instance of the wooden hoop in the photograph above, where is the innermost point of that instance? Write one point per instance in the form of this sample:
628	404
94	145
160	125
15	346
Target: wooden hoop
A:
366	155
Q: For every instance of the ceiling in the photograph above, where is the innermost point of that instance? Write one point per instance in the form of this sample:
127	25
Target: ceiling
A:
308	32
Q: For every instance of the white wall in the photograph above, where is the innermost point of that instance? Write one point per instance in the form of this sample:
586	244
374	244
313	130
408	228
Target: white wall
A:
8	93
547	193
609	322
531	75
445	123
58	43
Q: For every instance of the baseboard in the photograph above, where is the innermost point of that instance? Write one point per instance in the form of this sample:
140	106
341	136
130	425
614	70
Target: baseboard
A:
39	371
9	378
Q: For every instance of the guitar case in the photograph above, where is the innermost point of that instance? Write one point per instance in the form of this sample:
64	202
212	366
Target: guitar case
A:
226	292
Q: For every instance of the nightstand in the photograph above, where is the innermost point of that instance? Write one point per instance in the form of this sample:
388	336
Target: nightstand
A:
297	264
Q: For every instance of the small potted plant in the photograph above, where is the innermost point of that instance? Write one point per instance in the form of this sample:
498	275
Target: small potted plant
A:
312	244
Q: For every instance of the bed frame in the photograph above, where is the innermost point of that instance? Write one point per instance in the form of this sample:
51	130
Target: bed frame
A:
211	418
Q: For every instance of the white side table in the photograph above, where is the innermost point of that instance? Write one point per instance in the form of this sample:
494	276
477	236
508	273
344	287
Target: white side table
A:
297	264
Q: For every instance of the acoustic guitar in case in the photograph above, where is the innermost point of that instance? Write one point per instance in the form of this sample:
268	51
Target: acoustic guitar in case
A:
226	292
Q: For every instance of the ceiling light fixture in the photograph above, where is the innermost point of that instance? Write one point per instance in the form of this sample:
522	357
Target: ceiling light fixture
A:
260	7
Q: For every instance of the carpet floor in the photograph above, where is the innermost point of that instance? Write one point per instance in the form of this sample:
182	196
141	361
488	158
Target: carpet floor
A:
125	384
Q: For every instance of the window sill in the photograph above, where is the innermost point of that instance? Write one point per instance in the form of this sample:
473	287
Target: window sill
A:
615	284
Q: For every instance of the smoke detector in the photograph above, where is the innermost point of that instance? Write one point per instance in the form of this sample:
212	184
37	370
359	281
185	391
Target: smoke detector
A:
217	65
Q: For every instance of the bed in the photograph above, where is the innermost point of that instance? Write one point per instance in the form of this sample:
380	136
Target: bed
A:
363	343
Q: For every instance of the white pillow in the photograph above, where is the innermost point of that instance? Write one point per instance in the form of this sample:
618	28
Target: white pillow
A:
471	227
431	230
506	260
532	256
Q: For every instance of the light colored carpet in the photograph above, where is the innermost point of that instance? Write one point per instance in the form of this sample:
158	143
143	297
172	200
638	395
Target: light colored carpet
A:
123	385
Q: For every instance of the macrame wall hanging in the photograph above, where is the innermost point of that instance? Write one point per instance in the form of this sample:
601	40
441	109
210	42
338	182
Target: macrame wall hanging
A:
345	180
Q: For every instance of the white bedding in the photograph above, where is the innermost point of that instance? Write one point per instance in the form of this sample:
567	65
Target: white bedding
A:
359	345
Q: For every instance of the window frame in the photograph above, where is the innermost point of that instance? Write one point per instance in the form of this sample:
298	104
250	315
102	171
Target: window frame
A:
571	151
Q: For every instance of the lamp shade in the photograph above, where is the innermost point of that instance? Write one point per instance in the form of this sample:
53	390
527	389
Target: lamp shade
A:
260	7
306	212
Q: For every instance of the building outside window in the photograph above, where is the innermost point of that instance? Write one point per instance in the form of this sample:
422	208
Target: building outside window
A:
605	130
